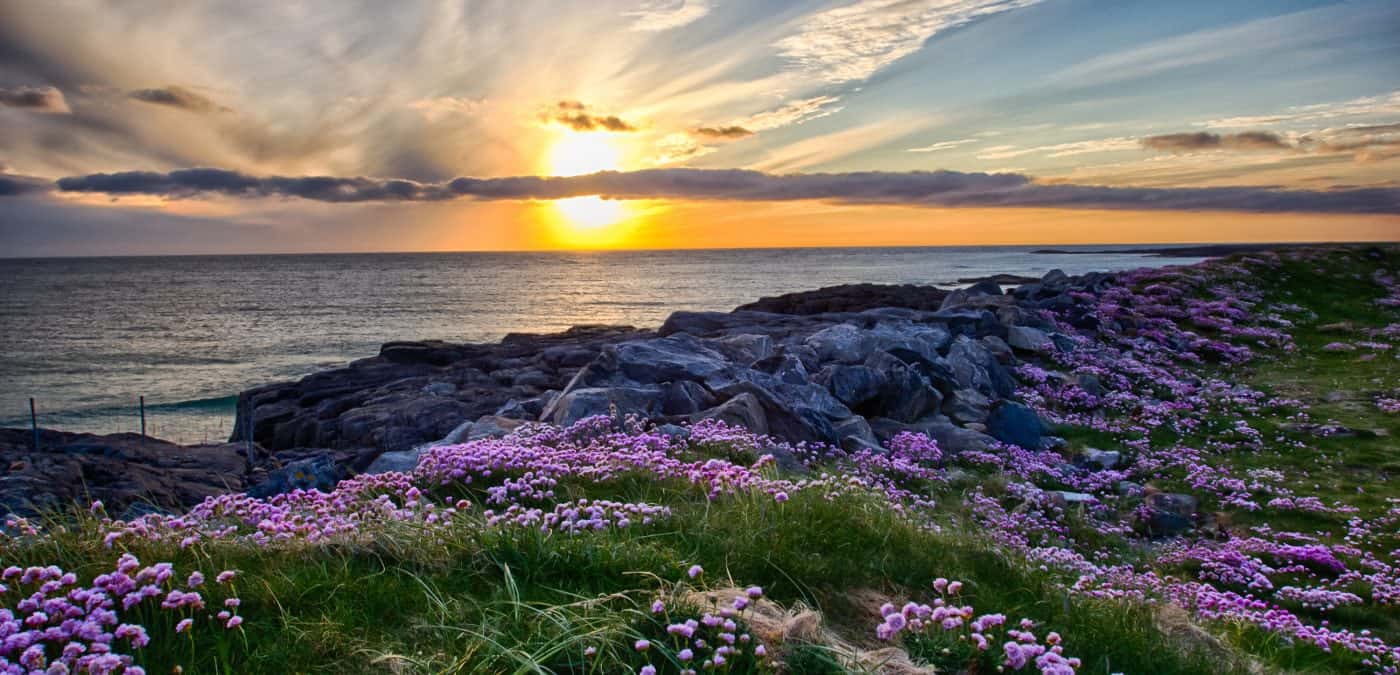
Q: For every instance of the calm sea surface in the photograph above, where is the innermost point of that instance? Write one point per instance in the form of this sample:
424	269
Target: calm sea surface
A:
86	336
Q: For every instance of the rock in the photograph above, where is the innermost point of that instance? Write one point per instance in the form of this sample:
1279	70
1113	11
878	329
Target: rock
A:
1090	383
743	349
676	357
852	385
965	406
487	426
432	352
1053	443
1029	339
984	287
1014	423
974	367
121	470
851	298
402	461
1099	460
855	434
1127	488
842	343
319	472
440	388
577	404
904	393
950	437
998	349
1169	514
674	431
684	398
743	410
1073	498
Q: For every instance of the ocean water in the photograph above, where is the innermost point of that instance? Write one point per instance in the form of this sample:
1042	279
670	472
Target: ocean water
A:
85	337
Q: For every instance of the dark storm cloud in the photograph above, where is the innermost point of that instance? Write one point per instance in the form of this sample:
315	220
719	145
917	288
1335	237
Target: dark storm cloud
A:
916	188
722	132
177	97
37	99
1192	142
575	115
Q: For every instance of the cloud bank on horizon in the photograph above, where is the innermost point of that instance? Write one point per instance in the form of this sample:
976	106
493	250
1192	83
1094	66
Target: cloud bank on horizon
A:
913	188
1288	107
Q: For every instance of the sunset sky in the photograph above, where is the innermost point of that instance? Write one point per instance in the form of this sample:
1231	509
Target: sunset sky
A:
175	127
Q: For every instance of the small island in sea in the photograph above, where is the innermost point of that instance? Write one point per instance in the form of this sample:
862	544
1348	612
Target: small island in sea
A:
1169	469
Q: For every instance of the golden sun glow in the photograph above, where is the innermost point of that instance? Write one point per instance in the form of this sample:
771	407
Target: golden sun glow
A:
582	219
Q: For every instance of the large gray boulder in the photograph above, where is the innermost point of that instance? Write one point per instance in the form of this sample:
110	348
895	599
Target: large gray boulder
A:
677	357
574	405
852	385
1029	339
743	410
1014	423
842	343
966	406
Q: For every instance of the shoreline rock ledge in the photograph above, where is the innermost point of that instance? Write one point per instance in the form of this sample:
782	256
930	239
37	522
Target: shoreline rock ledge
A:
849	365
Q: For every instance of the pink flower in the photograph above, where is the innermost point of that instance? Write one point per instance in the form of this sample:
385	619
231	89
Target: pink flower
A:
695	571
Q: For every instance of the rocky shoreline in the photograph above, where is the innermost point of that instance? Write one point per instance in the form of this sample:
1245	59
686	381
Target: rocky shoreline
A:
848	366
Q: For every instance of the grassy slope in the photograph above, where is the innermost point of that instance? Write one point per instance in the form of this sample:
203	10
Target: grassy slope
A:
487	601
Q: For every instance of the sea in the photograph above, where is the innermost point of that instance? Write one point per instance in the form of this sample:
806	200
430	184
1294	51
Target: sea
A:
87	338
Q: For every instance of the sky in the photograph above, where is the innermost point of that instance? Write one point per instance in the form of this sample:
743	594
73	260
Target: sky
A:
162	127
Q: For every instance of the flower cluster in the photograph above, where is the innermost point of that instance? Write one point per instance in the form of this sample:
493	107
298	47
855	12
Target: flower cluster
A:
52	623
1020	647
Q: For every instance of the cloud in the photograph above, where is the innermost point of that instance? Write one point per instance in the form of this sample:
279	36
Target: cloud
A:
1203	140
792	112
177	97
1062	149
36	99
915	188
1365	106
575	115
942	145
1365	142
658	15
730	132
443	107
855	41
14	185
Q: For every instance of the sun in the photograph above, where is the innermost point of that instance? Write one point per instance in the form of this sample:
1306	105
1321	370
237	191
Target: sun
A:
576	154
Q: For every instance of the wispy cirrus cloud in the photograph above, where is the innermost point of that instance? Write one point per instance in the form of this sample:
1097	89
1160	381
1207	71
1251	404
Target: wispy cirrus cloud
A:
1364	106
36	99
659	15
914	188
855	41
942	145
1062	149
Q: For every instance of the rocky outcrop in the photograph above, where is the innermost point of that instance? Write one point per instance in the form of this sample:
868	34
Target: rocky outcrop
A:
848	366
